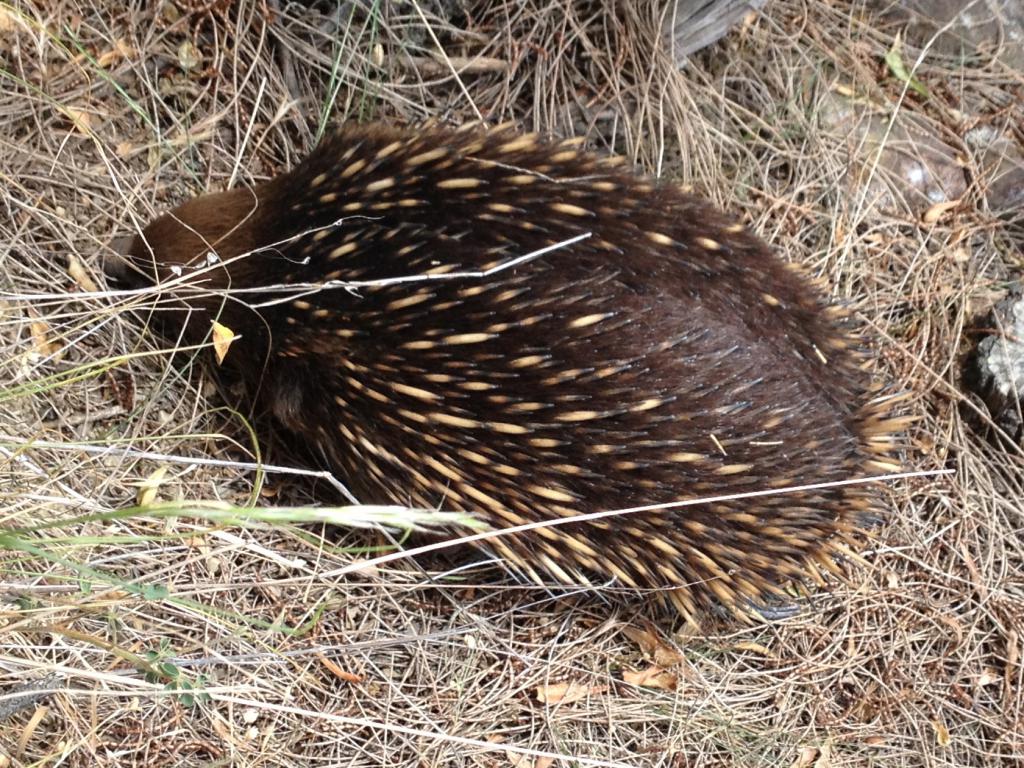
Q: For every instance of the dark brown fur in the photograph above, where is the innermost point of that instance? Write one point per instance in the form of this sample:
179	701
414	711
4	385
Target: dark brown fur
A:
669	355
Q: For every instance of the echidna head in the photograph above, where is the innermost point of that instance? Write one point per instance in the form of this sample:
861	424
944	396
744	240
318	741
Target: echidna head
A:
198	234
193	253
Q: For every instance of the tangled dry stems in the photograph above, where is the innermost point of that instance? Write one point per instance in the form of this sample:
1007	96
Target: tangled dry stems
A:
917	661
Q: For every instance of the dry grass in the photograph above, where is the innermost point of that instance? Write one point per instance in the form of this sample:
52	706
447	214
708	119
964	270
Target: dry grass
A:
179	636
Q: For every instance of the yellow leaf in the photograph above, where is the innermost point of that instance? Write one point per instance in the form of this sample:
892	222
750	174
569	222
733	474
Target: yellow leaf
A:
77	273
150	487
222	338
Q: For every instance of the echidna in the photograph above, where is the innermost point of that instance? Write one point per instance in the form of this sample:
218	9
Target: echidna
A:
654	351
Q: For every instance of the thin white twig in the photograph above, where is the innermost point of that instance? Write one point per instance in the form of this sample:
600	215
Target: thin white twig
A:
587	517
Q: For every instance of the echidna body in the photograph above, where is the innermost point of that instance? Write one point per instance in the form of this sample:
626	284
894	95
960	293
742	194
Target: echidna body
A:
666	355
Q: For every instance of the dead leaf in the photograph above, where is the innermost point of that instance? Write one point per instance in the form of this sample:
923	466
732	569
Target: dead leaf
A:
938	210
42	344
80	119
989	676
530	761
757	648
338	672
520	760
29	730
121	50
564	693
644	638
805	757
78	273
653	646
222	338
6	20
961	255
189	56
652	677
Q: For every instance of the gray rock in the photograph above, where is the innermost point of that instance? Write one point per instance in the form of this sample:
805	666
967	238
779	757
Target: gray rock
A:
1001	168
975	26
997	370
914	169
